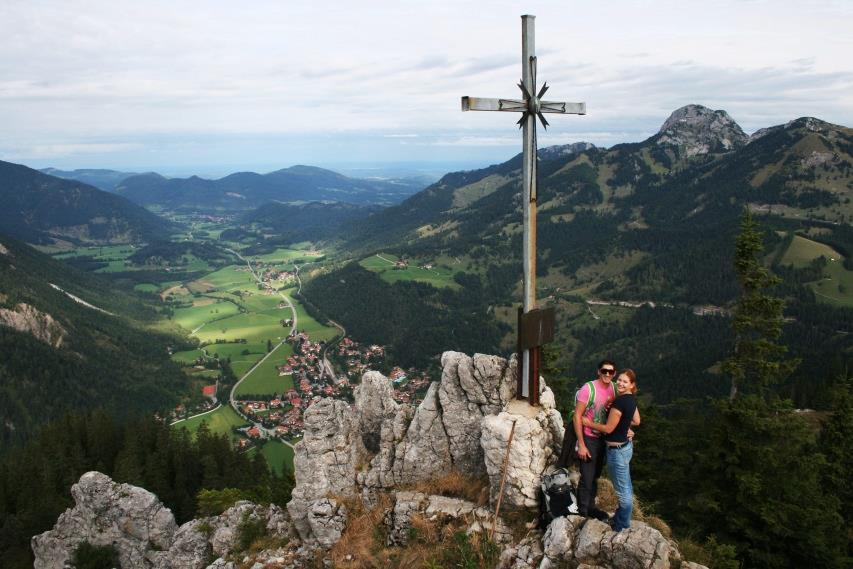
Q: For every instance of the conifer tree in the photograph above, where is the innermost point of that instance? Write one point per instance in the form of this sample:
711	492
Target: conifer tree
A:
758	360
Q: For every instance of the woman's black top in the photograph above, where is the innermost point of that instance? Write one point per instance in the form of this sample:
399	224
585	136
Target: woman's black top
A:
627	404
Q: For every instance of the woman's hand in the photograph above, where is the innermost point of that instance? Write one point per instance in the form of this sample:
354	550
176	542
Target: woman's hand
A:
586	422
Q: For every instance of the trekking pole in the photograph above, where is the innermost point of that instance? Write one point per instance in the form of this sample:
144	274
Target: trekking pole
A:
503	480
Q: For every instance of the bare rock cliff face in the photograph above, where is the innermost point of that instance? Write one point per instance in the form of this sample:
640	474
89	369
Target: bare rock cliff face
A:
30	320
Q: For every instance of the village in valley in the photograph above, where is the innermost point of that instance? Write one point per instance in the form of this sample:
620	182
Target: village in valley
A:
281	416
256	357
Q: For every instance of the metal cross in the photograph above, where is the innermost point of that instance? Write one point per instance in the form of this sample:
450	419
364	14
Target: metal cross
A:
531	106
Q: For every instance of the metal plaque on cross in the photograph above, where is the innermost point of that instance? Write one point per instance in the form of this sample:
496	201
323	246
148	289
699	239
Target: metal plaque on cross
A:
530	106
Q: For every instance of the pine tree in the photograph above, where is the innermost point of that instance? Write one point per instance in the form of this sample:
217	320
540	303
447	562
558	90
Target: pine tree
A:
758	361
836	442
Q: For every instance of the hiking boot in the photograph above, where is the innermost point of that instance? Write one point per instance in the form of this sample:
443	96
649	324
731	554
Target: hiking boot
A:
599	514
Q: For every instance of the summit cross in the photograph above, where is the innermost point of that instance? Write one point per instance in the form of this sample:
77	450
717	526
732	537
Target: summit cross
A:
531	106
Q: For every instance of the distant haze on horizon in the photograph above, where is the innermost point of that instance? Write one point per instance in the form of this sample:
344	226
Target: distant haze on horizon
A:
214	87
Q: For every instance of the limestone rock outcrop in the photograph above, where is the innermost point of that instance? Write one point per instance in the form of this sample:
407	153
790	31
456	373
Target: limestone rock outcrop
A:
30	320
435	508
106	513
143	531
325	463
462	424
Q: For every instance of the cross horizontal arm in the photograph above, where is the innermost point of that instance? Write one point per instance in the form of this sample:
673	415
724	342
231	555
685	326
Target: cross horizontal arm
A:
520	106
484	104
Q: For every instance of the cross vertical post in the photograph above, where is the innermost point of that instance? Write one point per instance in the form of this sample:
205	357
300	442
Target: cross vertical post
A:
529	388
535	327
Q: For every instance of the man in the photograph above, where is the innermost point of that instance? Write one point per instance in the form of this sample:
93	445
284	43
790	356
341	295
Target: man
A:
592	400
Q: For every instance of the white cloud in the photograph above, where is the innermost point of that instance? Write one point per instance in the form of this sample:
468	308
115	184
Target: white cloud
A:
212	71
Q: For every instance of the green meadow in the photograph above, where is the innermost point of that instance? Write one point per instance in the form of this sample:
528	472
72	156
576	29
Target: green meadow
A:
279	456
438	276
288	255
187	357
146	287
837	285
803	251
220	422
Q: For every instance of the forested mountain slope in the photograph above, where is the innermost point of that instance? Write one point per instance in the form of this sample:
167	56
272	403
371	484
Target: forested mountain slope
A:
71	342
38	208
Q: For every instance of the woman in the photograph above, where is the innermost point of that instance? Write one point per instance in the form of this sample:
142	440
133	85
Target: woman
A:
623	414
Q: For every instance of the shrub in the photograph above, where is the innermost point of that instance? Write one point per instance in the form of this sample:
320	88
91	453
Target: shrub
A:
214	502
88	556
249	531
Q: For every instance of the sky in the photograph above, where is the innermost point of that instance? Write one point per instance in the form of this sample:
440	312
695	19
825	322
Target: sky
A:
214	86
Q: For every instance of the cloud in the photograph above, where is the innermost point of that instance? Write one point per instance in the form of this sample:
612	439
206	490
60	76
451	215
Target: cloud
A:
140	73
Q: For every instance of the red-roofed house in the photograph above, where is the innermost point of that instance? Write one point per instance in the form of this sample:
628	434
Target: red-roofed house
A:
209	391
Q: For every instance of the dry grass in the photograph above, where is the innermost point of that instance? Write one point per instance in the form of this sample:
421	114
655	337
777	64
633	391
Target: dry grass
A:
607	499
432	542
659	525
363	541
456	485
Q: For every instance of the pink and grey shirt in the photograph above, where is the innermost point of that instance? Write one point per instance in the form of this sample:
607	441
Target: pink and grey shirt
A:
597	412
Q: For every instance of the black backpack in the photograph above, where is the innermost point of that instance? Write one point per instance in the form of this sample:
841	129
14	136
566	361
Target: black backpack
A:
557	497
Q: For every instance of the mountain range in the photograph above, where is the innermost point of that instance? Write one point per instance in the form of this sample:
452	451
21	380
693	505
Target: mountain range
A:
248	190
647	224
682	189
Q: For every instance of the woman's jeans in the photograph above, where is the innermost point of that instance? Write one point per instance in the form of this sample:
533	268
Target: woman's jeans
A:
619	468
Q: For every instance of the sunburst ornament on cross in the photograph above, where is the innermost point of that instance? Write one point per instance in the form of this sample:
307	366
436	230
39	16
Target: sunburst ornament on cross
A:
535	326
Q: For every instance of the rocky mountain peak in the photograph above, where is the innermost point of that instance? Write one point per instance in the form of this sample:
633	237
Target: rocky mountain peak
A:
700	130
564	150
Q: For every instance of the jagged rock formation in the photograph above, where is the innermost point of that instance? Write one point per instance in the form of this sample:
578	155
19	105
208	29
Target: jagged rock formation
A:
142	530
30	320
462	424
380	445
700	130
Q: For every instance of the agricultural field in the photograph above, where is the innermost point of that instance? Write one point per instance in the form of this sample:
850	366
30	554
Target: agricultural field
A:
103	253
289	256
265	379
253	327
203	311
438	275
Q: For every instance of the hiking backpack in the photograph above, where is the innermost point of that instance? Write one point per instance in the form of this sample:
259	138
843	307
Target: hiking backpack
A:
557	497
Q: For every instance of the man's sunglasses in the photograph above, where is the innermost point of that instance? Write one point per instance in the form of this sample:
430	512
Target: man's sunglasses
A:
605	371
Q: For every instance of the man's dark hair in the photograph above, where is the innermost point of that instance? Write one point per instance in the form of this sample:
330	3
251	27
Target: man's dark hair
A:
606	362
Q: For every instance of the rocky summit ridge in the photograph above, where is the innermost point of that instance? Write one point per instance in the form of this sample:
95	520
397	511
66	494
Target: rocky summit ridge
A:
373	454
700	130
